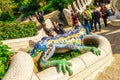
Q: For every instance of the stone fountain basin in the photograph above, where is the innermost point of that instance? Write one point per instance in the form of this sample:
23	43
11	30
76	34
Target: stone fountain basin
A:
114	21
85	67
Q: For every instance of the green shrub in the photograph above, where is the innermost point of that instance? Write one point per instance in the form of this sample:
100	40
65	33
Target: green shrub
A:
60	4
71	1
12	30
5	16
47	8
4	59
68	55
29	7
25	15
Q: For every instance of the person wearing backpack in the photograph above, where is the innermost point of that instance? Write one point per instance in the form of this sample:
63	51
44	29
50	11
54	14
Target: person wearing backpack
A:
103	11
88	11
96	19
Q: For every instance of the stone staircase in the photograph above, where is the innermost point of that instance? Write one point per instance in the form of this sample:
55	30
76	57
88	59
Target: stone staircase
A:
111	72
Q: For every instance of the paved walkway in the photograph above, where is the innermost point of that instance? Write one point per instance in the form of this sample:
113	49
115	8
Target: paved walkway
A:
112	33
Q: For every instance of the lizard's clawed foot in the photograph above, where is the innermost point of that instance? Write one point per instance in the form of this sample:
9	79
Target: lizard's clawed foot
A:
64	66
96	51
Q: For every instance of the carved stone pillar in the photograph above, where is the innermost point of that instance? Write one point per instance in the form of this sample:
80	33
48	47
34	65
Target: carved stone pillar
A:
80	6
83	4
75	6
70	7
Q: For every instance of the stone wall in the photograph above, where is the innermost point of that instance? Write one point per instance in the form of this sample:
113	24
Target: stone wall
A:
80	5
85	67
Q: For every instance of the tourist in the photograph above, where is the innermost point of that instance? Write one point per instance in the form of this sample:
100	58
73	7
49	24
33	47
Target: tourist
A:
88	11
79	16
110	12
103	11
40	17
57	28
60	24
37	16
77	24
86	23
96	19
74	17
47	31
97	3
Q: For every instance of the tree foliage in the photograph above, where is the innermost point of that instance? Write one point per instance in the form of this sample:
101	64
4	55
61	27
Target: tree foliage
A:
14	8
60	4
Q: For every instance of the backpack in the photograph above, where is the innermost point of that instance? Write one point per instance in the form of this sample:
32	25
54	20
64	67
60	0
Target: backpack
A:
110	12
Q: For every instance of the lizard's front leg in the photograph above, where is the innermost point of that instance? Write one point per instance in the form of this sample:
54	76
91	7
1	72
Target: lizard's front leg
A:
63	65
92	49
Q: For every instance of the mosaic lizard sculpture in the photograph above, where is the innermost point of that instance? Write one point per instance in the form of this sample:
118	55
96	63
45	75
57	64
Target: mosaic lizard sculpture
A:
45	48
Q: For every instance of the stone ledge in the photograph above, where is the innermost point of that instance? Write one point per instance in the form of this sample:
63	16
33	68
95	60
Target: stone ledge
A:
84	66
21	67
102	45
90	72
77	66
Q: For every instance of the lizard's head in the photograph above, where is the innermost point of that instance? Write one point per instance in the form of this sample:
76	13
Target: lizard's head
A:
38	48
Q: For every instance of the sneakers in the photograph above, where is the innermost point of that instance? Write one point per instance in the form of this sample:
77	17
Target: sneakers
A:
96	30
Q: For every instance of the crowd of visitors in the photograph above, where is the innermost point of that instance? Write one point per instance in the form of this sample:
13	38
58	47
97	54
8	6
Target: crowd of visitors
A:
90	18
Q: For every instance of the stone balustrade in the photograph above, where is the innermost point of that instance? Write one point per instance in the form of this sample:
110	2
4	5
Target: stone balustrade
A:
79	5
85	67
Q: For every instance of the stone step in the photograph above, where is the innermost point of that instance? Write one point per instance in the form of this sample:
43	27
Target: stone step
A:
115	65
113	71
106	76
